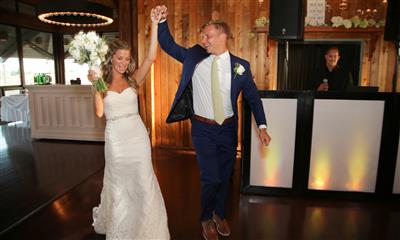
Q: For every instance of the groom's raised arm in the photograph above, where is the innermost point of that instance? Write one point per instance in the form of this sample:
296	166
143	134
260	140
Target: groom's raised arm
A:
168	44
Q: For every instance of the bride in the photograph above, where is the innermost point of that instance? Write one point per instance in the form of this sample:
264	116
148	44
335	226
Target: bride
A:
131	205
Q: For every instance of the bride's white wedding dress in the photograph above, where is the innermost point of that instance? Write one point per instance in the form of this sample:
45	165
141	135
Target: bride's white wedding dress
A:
131	205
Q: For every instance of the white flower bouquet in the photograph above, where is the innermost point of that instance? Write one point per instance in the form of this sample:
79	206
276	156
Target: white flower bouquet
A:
89	48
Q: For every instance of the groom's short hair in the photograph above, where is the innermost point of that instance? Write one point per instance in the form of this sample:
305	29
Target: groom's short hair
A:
219	25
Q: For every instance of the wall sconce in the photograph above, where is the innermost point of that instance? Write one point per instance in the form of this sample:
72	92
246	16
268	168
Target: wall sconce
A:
343	5
78	13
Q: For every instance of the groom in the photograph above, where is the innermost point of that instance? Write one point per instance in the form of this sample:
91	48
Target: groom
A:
211	81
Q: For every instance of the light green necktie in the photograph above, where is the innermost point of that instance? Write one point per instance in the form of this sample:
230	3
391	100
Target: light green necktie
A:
218	107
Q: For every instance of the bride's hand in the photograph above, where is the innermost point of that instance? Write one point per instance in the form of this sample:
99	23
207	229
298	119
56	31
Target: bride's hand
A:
94	73
91	75
155	15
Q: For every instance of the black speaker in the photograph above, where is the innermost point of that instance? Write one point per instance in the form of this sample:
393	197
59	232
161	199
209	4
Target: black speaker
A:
392	26
286	19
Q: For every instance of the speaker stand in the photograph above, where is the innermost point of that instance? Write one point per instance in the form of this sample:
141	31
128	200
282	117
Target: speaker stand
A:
286	67
396	65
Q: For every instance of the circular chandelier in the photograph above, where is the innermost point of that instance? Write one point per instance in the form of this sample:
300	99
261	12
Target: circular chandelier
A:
76	13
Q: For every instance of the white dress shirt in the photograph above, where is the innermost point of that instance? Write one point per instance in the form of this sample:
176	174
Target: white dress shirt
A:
202	96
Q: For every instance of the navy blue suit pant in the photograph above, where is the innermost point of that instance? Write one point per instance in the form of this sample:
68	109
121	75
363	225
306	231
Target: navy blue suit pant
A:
215	147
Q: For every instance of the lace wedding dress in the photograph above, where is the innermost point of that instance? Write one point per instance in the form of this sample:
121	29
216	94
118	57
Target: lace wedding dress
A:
131	205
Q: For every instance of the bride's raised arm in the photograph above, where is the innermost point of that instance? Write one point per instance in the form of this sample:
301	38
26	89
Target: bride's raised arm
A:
140	74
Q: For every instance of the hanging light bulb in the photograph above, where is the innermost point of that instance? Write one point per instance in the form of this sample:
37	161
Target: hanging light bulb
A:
260	2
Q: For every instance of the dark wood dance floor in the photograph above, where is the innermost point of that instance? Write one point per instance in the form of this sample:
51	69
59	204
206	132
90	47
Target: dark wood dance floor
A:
48	189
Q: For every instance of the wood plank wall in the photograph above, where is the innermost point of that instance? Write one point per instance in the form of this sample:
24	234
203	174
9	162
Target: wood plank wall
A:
185	19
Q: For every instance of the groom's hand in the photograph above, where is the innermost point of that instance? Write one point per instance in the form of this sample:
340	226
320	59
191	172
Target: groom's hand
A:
164	12
264	137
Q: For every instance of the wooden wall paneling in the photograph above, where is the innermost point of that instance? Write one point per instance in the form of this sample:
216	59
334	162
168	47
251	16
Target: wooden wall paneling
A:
273	67
377	76
382	76
160	98
156	113
385	59
165	97
168	130
241	47
364	65
147	91
368	61
141	51
185	129
389	56
178	29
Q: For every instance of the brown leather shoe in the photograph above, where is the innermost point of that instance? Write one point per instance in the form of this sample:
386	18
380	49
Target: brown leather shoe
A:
222	226
209	231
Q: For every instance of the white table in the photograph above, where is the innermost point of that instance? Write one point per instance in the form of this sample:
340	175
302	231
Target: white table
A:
15	108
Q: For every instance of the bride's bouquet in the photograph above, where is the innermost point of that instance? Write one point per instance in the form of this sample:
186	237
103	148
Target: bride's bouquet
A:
91	49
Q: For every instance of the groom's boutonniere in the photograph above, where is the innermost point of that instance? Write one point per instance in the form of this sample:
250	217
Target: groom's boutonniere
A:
238	69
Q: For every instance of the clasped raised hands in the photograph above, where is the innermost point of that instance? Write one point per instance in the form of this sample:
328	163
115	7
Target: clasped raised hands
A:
158	13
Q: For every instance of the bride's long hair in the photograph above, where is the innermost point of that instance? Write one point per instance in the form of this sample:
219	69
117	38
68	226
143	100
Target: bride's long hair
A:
106	66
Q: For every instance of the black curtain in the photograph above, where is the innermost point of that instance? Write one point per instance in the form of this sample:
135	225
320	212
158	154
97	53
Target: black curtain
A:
305	57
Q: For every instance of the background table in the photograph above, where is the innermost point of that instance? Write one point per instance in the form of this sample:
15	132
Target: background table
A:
15	108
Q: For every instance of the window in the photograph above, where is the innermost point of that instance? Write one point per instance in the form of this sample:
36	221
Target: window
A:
72	69
9	63
38	54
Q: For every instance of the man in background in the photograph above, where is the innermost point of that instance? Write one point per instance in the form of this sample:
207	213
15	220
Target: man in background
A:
331	77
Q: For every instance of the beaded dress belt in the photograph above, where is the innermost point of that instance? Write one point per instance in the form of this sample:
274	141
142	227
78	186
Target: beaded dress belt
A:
121	116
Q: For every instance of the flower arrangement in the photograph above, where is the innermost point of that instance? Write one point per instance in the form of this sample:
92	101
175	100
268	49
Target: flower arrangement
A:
259	22
356	22
89	48
238	69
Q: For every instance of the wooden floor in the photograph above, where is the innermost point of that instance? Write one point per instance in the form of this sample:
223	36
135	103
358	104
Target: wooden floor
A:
48	189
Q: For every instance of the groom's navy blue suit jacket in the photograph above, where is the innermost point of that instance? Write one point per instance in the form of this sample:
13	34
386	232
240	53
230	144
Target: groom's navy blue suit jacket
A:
182	107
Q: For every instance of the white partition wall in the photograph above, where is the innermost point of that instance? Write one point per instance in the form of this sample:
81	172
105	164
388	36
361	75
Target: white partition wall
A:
64	112
346	136
396	187
272	166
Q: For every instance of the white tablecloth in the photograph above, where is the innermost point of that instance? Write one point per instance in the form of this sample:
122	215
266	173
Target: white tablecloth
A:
15	108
